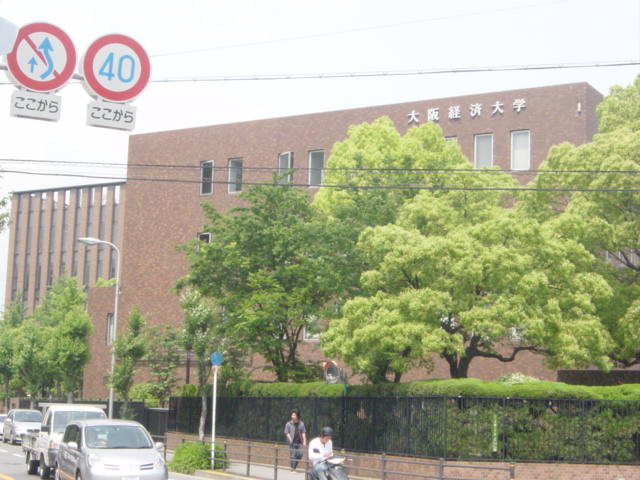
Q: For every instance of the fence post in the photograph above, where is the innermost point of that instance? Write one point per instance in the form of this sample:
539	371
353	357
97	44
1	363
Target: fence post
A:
441	468
383	466
249	458
505	424
275	461
512	471
583	452
445	425
225	462
343	419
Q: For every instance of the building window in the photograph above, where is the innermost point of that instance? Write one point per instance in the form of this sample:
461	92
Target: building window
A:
206	177
110	333
204	237
285	164
316	167
520	150
312	329
451	139
235	175
483	150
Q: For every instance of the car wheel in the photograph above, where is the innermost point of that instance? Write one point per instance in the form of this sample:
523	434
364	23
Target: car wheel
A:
43	470
32	465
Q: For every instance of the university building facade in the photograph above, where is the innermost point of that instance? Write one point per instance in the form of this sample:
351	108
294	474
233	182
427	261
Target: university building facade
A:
171	173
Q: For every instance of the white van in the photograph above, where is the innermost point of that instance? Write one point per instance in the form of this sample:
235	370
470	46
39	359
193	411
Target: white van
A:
41	449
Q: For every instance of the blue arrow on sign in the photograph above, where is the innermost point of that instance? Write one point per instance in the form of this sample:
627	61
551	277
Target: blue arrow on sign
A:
46	48
32	63
216	359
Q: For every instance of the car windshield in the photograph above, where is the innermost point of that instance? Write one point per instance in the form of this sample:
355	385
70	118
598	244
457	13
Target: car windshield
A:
117	436
61	419
28	416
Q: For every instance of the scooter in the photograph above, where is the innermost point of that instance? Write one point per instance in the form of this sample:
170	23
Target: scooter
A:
336	470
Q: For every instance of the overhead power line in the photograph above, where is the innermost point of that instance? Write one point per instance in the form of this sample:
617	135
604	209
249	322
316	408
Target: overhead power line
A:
346	186
396	73
389	73
227	167
356	30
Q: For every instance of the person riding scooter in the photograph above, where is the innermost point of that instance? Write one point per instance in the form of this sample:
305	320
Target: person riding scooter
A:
321	448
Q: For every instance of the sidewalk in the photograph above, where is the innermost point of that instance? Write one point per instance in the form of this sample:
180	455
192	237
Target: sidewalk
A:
238	471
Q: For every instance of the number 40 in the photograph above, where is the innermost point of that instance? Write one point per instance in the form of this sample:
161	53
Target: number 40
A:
125	63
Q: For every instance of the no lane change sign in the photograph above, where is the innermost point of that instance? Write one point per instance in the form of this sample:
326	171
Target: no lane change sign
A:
43	58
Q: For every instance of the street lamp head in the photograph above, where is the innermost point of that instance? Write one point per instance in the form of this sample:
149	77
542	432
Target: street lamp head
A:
90	240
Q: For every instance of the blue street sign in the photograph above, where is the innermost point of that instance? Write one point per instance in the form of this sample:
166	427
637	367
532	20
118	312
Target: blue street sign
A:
216	359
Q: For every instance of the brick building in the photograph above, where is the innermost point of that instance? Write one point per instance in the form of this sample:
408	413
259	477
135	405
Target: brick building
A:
511	129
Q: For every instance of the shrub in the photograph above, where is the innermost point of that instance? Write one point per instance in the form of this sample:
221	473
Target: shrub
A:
145	392
189	390
517	378
191	456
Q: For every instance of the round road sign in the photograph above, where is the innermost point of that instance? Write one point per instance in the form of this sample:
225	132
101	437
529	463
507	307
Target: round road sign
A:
43	58
115	68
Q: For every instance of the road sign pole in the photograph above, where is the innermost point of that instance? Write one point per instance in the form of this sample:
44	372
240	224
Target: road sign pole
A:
213	417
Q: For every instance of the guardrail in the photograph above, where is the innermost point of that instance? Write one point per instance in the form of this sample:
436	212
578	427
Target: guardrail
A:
381	467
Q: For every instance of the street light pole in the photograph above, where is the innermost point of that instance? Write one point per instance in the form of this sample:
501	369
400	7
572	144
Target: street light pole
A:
97	241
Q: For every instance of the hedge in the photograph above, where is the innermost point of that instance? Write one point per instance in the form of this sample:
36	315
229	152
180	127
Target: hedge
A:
466	387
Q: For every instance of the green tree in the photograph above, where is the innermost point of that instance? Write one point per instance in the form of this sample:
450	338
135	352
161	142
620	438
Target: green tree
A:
462	275
63	309
16	313
202	336
163	358
4	216
601	210
31	362
272	267
621	109
376	155
129	348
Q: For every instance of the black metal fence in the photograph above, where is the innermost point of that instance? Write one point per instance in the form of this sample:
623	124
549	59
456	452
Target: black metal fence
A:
154	419
474	428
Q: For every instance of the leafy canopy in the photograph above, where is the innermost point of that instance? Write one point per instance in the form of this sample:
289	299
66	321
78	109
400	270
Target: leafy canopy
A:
461	274
272	267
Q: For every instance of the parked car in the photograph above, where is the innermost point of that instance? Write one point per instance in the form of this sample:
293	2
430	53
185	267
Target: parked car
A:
17	423
109	449
2	417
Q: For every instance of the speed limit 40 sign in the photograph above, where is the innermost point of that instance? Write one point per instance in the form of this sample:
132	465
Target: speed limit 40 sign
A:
115	68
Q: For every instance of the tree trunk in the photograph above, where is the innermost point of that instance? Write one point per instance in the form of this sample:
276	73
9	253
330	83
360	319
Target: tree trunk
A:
203	415
458	367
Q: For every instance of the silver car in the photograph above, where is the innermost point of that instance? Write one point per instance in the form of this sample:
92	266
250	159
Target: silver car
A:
18	421
2	417
109	450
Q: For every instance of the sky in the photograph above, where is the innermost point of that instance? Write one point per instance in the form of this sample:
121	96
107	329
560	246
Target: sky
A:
192	40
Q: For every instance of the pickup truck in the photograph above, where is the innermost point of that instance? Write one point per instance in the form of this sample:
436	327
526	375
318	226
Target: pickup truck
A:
41	446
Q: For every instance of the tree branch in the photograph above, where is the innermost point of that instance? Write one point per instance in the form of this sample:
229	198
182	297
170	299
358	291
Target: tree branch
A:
511	358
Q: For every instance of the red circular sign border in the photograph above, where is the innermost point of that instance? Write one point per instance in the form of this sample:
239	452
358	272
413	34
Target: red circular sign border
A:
91	80
50	85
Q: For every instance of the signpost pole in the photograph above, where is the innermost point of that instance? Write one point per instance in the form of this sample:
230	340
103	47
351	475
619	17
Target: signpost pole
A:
216	361
213	417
